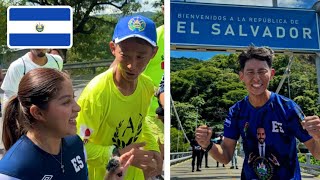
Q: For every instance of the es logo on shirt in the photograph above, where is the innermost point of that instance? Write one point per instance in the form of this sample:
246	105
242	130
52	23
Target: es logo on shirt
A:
77	163
277	127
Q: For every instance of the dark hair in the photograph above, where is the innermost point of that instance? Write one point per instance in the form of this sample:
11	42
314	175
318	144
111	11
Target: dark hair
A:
38	87
259	53
60	52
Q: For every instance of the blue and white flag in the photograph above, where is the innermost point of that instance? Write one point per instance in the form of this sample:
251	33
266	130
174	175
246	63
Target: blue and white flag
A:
40	27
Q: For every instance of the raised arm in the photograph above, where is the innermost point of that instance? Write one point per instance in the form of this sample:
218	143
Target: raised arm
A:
222	153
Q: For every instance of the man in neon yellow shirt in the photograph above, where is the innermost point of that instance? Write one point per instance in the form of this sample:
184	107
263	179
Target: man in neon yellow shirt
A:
114	104
155	70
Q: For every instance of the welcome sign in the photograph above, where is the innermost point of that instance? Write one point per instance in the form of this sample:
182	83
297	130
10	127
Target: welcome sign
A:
225	26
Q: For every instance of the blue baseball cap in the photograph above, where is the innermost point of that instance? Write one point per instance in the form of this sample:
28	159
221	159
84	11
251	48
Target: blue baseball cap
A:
135	26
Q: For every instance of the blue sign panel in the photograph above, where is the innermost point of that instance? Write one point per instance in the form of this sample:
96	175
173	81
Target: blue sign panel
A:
212	25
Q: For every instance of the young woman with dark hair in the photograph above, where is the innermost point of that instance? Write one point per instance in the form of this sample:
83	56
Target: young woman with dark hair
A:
39	130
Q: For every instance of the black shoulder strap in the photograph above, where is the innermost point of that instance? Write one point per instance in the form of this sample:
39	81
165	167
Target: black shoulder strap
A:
24	66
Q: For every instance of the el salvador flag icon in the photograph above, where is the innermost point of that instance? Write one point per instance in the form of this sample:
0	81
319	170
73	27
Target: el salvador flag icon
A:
40	27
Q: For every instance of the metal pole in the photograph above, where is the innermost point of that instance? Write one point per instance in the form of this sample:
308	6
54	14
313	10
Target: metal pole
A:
274	3
285	74
289	84
197	112
178	140
197	119
175	112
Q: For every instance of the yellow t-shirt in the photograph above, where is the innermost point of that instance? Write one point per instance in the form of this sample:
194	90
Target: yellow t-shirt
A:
108	118
155	68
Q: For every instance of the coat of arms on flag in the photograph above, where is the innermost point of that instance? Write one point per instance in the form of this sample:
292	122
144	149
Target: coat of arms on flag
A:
40	27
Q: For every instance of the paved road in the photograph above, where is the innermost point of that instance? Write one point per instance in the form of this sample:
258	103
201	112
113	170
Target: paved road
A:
182	171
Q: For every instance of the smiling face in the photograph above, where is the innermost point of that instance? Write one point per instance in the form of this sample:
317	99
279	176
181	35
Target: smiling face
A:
132	55
62	111
256	76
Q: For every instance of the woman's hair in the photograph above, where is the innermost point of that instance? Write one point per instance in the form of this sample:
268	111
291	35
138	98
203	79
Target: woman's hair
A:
38	87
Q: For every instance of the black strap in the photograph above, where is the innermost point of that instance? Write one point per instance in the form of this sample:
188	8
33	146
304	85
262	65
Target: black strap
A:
56	61
24	64
209	147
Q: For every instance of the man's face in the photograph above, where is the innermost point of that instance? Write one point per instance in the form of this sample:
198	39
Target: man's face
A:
132	56
261	135
39	52
256	76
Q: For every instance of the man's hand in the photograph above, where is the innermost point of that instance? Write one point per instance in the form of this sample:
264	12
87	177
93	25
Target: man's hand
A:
155	168
203	136
147	161
312	125
125	160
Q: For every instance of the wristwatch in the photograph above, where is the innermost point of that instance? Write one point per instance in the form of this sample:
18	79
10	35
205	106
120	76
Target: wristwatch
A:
207	149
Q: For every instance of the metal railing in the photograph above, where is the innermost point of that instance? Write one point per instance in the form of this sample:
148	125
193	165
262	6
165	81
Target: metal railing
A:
92	64
308	167
80	65
179	156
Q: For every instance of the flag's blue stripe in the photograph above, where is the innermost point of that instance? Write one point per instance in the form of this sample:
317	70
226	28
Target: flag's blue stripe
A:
37	14
39	39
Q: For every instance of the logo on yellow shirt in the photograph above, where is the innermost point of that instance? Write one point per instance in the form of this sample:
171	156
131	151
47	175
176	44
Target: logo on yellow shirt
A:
135	132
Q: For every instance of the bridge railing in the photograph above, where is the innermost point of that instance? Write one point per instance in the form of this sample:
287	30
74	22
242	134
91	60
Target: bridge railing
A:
179	156
308	167
92	64
80	65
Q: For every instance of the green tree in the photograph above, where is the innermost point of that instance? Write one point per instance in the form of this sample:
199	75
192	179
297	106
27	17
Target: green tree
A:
178	143
188	115
308	105
92	32
158	17
85	22
205	90
83	17
3	21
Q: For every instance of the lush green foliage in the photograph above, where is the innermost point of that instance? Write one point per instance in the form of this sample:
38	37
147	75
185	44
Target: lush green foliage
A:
178	142
3	20
302	159
205	90
92	24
